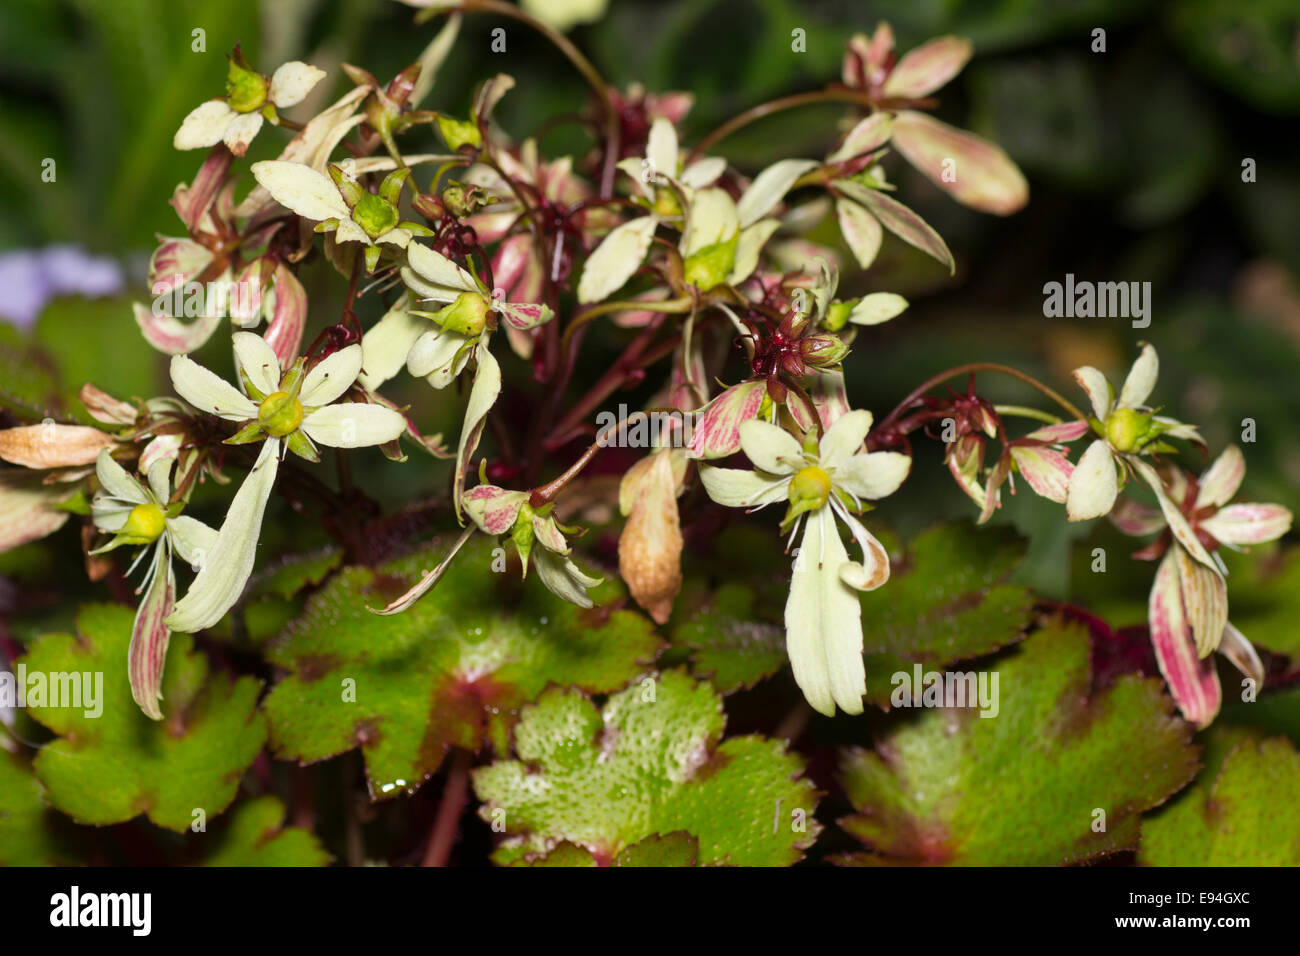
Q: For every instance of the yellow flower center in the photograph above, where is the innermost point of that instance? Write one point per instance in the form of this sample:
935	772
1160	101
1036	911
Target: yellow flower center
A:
280	414
809	488
144	524
1125	428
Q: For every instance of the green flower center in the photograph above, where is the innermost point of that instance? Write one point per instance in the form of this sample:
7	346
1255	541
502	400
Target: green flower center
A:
280	414
375	214
466	316
144	524
245	89
809	488
1125	428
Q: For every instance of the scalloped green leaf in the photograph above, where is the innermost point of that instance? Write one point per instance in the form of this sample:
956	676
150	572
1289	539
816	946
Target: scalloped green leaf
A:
729	641
113	767
1239	816
256	836
452	671
1023	787
649	764
946	600
27	835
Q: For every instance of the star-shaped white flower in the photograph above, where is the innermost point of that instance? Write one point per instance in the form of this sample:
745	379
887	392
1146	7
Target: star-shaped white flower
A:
821	481
287	408
250	98
142	513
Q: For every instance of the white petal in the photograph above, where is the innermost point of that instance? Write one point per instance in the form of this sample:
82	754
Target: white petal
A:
861	230
703	172
1098	389
387	343
116	481
1222	479
301	189
1174	518
844	438
1141	379
769	188
874	475
564	578
292	82
353	425
877	307
159	478
661	148
204	126
209	392
482	396
748	247
349	231
396	237
740	488
240	132
823	622
225	572
192	539
443	280
258	362
618	256
870	134
712	218
439	354
873	571
332	376
1094	485
1249	523
770	448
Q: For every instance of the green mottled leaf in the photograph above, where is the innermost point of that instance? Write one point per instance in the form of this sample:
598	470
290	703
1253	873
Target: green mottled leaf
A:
648	764
110	768
451	671
1022	787
27	835
291	574
1243	815
946	600
256	836
729	641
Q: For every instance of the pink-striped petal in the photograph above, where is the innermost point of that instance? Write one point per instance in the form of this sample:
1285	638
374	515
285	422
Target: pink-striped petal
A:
1249	523
716	432
284	331
1205	601
1047	471
172	336
1192	681
149	637
1222	479
492	508
1136	519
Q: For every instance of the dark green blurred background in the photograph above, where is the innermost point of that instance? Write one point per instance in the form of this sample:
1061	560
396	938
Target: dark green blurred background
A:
1134	158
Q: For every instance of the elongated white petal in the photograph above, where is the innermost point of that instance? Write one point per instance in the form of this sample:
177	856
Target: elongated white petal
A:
740	488
1222	479
240	132
1098	389
443	280
439	356
116	481
387	343
563	578
748	247
208	391
874	475
353	425
1205	601
204	126
870	134
1094	484
292	82
192	539
703	172
482	396
823	622
225	572
149	636
159	479
862	231
1141	379
258	362
618	256
843	439
770	448
877	307
332	376
1242	653
1249	523
301	189
769	188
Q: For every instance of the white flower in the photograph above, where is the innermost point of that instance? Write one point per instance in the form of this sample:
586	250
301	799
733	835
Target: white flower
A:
821	481
250	97
292	408
137	513
1126	429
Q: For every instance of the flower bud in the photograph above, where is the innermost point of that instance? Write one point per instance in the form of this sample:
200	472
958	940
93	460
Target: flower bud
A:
465	200
375	215
823	351
246	89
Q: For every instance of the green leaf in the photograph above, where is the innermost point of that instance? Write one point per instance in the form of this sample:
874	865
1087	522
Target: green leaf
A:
451	671
1024	787
295	572
256	836
27	835
649	764
1264	597
1238	817
946	600
110	768
729	642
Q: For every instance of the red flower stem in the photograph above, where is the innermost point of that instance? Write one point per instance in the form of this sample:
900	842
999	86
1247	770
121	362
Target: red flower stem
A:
446	826
776	106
